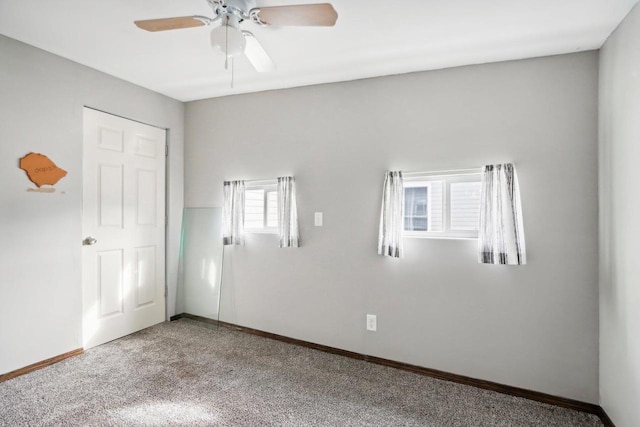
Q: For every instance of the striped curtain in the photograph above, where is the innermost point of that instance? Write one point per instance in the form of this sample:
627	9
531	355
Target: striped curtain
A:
287	213
501	236
391	216
233	213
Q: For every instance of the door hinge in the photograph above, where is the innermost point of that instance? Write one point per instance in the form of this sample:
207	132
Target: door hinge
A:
166	150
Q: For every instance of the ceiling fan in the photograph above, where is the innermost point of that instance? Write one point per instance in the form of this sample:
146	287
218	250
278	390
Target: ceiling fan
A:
229	38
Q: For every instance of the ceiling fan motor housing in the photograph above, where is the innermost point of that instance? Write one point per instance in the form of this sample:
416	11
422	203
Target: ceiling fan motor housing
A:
238	8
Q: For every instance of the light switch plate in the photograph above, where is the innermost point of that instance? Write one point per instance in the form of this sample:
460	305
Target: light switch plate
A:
317	219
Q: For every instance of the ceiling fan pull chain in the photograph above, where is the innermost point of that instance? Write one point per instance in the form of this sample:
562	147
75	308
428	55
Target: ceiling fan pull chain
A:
226	44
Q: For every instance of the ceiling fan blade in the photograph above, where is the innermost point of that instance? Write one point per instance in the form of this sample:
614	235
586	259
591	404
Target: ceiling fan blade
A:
177	23
256	54
321	15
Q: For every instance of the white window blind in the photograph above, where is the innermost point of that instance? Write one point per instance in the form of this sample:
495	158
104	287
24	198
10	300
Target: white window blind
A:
272	208
465	205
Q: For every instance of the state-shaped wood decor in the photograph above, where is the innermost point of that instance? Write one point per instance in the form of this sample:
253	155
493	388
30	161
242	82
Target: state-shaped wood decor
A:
41	170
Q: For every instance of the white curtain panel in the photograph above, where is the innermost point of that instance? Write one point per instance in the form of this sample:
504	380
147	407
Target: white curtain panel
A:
233	213
501	236
391	216
287	213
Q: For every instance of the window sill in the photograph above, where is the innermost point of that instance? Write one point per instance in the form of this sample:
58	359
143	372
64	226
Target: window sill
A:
414	236
261	231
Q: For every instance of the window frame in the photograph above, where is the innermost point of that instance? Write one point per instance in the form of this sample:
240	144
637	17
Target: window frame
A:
267	186
448	178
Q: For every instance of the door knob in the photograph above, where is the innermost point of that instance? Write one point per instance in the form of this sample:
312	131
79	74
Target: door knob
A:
88	241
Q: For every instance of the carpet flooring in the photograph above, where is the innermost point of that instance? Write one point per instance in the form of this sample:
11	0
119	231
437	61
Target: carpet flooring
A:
187	373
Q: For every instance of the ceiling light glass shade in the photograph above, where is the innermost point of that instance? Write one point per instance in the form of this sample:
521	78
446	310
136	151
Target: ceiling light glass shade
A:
228	39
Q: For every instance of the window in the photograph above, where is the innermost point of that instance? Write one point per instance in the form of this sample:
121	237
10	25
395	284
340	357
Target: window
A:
442	205
261	207
416	217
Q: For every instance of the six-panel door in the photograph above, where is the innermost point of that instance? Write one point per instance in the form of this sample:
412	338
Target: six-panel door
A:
124	211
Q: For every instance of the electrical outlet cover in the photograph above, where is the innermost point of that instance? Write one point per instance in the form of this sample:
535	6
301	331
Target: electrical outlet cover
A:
372	323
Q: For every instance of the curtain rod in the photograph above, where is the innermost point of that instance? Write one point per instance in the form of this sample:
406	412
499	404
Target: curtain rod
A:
444	172
257	181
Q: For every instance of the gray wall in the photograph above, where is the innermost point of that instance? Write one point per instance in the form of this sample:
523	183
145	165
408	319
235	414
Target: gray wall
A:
534	326
619	230
41	101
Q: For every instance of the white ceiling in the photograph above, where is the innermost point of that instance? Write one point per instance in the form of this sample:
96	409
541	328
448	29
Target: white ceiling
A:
371	38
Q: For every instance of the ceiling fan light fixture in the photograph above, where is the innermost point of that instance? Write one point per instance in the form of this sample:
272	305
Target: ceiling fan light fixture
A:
228	38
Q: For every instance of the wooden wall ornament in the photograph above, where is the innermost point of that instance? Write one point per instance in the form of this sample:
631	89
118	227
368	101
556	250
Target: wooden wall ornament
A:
41	170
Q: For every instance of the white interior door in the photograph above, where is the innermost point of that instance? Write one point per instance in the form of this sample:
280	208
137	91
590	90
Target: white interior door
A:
124	227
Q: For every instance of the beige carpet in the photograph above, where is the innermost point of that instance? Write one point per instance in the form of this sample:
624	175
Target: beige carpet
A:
187	373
